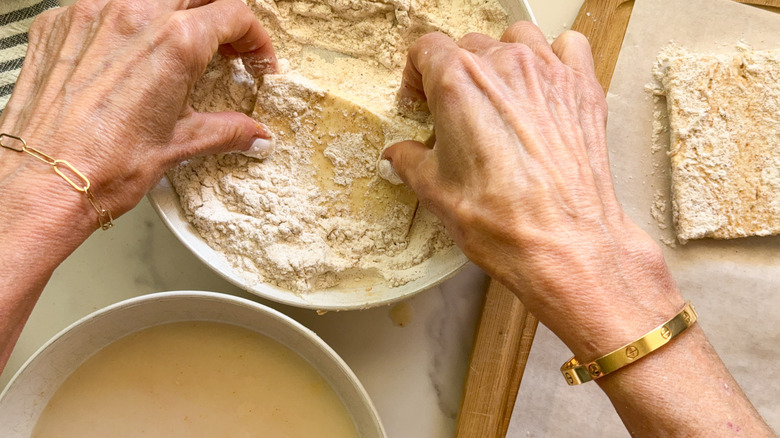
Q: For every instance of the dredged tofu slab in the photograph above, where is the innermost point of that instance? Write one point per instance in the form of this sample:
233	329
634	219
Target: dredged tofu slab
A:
724	117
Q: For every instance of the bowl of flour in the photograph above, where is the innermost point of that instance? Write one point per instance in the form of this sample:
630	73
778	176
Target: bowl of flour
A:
264	225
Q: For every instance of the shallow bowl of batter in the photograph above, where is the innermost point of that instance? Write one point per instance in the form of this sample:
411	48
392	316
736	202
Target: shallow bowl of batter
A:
24	399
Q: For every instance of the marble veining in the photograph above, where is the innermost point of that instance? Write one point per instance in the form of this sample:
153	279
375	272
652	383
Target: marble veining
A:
451	333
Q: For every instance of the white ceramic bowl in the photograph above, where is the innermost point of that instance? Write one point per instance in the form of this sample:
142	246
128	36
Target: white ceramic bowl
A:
28	393
439	268
442	266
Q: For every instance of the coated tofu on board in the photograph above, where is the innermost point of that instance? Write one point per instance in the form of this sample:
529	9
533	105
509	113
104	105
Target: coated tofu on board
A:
724	117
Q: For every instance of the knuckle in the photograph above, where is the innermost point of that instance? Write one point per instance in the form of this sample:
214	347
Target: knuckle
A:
519	28
42	24
178	33
468	217
84	11
422	177
238	6
593	97
462	58
185	32
598	103
454	75
571	37
519	53
649	253
472	37
656	254
561	74
451	81
45	19
233	134
128	17
428	39
466	214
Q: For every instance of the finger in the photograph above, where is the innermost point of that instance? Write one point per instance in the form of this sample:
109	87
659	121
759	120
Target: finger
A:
182	4
233	22
412	162
177	5
477	43
87	5
423	54
525	32
190	4
216	133
32	75
573	49
253	65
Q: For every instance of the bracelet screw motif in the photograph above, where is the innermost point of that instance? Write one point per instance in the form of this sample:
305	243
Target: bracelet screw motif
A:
576	373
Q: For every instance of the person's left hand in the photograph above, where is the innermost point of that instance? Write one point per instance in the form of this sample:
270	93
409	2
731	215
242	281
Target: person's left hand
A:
104	87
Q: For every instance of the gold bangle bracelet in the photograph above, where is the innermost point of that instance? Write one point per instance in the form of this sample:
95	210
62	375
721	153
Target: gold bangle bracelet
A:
576	373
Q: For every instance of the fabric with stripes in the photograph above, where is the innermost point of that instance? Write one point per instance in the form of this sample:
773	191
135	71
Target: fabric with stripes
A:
16	16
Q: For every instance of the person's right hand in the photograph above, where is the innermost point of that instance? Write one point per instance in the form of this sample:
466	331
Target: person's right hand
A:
519	175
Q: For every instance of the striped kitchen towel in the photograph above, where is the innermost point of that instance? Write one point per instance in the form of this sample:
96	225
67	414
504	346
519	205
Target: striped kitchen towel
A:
15	19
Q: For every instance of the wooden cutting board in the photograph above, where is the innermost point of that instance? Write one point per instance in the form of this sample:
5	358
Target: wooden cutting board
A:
506	329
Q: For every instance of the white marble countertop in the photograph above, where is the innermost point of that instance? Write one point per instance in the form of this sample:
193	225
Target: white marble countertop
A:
413	373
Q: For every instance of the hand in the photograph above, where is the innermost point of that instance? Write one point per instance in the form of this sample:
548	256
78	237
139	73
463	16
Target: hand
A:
104	87
519	175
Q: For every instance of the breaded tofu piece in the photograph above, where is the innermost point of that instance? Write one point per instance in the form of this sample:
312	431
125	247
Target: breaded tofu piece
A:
341	141
724	117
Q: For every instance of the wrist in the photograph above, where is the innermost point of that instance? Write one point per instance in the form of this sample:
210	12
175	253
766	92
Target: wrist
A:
40	208
599	292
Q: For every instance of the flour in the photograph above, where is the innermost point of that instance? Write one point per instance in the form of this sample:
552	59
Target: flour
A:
281	220
359	46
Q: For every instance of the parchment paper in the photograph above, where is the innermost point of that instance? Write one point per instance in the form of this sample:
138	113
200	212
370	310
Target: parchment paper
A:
735	285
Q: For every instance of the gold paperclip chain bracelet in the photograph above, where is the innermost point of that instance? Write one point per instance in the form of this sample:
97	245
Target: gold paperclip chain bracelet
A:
105	220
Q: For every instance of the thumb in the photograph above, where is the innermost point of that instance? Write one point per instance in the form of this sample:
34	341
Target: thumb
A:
413	162
215	133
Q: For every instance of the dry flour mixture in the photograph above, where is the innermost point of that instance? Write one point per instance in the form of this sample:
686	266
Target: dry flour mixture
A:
268	216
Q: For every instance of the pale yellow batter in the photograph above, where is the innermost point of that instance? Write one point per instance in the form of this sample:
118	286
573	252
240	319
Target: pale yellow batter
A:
195	379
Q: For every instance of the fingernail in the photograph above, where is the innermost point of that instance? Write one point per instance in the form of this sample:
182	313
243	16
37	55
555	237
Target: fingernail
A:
261	148
386	171
260	66
263	131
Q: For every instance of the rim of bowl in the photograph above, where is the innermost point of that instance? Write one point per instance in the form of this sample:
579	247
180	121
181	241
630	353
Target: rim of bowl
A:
166	203
267	312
